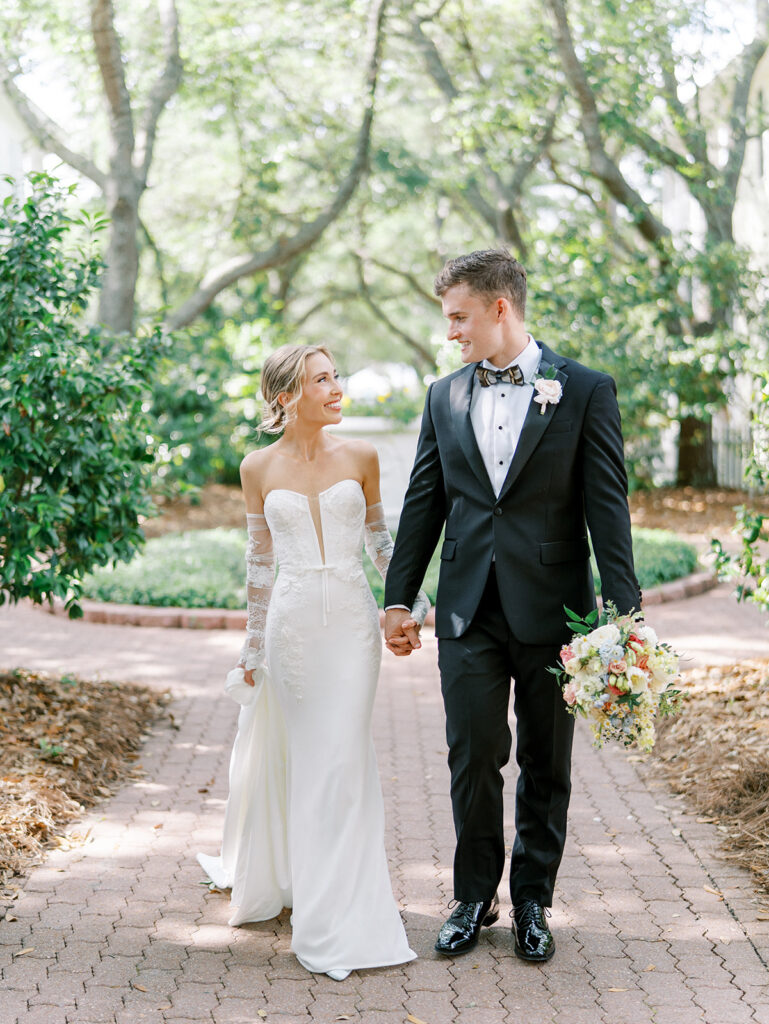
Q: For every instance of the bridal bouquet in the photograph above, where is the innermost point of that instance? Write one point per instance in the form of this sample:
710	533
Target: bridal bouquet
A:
616	673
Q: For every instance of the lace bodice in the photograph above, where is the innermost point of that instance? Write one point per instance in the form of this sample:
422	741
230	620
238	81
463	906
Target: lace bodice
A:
298	547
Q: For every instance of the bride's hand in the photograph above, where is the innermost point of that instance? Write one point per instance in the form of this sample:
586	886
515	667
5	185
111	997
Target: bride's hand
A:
248	675
401	632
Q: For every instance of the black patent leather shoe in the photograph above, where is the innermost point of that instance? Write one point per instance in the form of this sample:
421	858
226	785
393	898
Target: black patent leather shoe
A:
533	939
460	932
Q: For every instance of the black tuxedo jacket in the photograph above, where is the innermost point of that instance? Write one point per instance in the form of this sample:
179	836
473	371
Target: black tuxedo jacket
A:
567	477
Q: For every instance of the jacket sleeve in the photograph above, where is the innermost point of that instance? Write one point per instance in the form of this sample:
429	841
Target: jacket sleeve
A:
422	517
605	496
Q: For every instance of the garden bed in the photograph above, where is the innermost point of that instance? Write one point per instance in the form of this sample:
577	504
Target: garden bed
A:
65	744
716	753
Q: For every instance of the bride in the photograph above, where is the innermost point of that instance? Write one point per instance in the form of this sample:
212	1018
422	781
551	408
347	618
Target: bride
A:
304	825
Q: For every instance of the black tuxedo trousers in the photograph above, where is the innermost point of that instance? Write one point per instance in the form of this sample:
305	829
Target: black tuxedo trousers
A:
476	671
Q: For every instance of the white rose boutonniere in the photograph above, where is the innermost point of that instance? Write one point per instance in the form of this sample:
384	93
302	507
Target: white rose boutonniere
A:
548	390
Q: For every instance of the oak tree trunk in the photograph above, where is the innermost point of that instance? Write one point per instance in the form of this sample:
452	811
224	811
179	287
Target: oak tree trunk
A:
696	461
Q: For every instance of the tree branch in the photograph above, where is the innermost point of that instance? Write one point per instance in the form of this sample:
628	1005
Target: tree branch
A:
500	216
159	265
738	129
164	88
425	356
47	133
435	66
602	166
110	60
285	249
333	295
410	278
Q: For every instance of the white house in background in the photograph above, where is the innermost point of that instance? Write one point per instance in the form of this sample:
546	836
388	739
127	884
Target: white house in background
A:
18	153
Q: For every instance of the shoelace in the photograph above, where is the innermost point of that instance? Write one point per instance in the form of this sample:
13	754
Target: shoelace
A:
463	916
532	913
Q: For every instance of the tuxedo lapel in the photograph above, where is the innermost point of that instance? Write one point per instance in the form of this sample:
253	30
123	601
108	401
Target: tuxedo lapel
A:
536	421
459	398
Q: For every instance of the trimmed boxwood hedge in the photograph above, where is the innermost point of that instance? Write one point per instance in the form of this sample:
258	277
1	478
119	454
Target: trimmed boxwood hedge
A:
205	569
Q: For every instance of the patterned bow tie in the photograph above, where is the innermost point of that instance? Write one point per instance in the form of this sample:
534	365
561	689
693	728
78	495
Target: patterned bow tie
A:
487	377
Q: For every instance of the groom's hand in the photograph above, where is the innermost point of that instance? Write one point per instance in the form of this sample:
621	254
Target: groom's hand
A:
401	632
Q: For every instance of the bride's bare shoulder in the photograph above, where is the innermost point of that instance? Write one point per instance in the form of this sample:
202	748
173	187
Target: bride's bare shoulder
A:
256	461
361	451
254	468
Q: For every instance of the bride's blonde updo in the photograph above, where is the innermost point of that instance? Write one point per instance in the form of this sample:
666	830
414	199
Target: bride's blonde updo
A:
284	371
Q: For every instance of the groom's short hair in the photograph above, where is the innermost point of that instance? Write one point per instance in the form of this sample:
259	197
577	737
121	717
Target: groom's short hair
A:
489	272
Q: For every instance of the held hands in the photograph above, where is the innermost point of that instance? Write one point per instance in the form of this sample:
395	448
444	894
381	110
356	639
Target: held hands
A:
401	632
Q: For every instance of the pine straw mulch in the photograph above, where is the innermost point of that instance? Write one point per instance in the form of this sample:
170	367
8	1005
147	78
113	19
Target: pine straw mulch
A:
716	753
65	744
693	513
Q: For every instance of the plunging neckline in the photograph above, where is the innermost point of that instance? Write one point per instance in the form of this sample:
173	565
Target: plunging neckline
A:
319	543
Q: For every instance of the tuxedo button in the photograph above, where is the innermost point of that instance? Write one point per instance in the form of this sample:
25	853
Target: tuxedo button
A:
497	511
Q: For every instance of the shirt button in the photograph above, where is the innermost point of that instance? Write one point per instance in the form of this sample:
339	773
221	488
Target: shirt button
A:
497	511
501	462
499	428
503	394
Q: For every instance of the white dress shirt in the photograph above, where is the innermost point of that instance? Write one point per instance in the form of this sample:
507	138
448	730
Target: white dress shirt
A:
497	414
498	411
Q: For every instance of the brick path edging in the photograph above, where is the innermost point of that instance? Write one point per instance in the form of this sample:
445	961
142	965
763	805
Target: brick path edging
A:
223	618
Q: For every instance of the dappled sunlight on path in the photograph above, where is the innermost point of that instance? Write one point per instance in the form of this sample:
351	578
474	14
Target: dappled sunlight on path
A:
650	925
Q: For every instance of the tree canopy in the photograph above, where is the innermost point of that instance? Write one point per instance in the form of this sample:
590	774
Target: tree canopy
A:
301	170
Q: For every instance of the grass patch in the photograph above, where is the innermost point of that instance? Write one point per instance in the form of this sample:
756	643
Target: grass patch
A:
205	569
196	569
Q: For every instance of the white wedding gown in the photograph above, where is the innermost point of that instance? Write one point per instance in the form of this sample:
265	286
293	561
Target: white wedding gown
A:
304	825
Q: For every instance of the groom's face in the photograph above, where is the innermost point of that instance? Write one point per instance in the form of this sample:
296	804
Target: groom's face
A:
475	323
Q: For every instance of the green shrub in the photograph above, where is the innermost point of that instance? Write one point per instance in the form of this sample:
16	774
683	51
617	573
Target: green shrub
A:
660	556
205	569
74	450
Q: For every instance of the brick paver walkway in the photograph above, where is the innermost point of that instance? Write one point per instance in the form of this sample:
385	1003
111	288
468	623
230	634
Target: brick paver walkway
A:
651	926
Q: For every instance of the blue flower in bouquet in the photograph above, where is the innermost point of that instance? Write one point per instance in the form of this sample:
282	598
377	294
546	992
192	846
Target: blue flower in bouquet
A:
610	652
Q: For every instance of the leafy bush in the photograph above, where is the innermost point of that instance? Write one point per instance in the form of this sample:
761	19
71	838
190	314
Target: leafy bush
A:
205	569
748	569
660	556
74	451
205	395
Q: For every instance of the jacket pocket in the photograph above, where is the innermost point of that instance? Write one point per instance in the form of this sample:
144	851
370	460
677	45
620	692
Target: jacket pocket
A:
564	551
448	549
558	427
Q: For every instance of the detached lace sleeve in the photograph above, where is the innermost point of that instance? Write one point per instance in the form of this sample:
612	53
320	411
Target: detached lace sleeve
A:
260	574
379	548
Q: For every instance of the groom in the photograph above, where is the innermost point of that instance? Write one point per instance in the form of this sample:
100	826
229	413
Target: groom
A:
519	456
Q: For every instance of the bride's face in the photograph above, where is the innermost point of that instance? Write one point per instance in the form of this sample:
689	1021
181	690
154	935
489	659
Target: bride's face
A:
321	400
